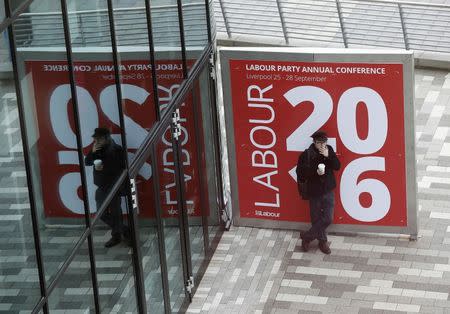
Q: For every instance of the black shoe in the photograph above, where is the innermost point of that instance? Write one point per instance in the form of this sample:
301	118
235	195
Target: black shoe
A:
305	242
324	247
112	242
305	245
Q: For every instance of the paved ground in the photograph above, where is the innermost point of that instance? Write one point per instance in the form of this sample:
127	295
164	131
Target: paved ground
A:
264	271
258	270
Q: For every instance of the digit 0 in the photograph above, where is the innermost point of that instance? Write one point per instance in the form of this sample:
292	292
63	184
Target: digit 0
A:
377	117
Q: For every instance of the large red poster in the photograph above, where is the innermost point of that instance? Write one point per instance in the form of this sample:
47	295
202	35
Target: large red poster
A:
278	105
97	102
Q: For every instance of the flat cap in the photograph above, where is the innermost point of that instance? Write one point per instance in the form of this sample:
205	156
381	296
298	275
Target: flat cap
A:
101	132
319	135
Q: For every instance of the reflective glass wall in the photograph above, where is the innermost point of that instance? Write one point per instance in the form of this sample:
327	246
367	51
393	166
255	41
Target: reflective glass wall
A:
109	176
19	273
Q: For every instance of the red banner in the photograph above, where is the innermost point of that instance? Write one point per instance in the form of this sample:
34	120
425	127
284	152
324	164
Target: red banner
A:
278	105
97	102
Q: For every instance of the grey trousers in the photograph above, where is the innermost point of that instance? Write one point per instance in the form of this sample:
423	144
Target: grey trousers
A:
321	210
112	216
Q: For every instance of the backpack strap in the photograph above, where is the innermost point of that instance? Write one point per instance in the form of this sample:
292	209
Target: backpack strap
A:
308	157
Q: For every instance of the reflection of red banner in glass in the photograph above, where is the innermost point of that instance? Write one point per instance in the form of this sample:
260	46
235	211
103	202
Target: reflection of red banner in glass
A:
278	105
96	93
189	161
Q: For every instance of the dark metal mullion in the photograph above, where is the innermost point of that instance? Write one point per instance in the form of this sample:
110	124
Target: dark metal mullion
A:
216	137
76	114
182	39
161	235
198	129
184	214
26	154
156	130
179	173
132	216
148	16
117	80
208	21
181	204
10	18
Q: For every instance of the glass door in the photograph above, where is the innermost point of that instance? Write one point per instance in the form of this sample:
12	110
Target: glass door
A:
198	161
193	182
177	197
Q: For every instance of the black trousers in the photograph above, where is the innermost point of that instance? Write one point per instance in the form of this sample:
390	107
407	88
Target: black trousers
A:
321	210
112	216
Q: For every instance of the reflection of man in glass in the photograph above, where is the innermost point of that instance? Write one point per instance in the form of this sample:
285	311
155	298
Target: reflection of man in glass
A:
107	158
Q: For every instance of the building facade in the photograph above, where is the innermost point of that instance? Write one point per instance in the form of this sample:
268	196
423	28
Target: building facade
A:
141	70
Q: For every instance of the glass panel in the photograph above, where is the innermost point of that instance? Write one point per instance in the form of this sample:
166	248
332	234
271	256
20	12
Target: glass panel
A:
2	14
136	79
114	274
167	42
195	28
195	180
5	55
205	121
52	143
169	210
99	112
74	293
19	281
198	160
148	234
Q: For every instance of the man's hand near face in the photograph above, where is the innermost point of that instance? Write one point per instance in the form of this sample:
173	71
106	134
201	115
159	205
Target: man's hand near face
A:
322	148
98	144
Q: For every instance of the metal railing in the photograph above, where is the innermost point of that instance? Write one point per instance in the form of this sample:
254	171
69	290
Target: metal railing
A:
348	23
91	27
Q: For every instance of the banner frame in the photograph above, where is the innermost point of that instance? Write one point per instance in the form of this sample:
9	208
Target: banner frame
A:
406	58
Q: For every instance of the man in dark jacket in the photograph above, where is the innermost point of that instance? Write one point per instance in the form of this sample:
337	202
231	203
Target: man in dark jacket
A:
108	160
315	167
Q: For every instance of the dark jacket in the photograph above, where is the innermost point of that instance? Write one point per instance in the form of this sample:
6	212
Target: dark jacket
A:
113	164
307	170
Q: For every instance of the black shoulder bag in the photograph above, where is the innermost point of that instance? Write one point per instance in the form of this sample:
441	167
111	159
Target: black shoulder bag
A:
302	186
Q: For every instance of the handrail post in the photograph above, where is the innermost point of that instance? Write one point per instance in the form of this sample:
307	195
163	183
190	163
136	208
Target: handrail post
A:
402	21
341	22
283	26
80	23
222	8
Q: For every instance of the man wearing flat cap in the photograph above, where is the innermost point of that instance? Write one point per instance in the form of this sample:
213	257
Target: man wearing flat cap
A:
108	160
315	170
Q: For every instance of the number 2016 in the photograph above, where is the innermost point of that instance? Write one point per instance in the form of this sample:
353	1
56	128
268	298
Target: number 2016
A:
350	188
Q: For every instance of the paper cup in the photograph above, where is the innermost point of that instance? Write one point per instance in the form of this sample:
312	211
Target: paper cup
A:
321	167
98	163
